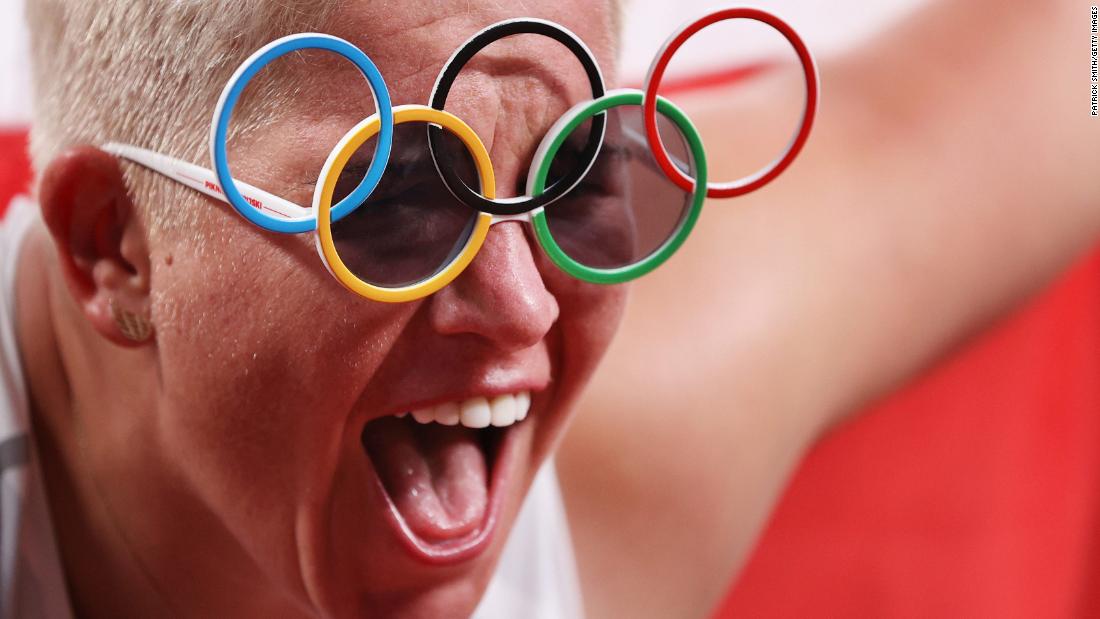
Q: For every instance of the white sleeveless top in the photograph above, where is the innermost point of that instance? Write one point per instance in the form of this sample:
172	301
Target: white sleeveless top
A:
536	578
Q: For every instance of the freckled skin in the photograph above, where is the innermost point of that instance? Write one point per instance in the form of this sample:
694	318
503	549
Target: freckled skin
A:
242	488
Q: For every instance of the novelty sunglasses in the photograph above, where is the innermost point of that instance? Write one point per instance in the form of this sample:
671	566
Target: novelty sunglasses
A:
407	197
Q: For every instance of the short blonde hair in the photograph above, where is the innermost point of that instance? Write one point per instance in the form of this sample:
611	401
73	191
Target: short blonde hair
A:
145	72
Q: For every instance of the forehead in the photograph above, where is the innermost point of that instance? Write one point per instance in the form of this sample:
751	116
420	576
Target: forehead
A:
510	92
411	42
409	38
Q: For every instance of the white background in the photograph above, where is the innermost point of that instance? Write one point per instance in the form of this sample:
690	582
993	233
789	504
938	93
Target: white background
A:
826	26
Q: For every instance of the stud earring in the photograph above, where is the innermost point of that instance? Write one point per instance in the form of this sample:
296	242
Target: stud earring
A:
134	327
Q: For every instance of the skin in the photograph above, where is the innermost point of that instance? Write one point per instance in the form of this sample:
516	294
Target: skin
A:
216	469
948	178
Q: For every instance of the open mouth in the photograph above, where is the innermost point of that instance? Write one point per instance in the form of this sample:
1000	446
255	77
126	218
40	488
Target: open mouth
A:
444	471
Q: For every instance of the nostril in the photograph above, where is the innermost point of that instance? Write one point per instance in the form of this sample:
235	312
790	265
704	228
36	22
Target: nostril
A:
501	296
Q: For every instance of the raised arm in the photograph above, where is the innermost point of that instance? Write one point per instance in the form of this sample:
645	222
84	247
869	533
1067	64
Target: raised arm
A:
953	172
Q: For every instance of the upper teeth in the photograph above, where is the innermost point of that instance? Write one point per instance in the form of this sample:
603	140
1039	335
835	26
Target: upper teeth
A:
479	412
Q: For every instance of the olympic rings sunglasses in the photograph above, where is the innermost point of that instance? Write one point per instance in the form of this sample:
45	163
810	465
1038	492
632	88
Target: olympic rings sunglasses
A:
605	208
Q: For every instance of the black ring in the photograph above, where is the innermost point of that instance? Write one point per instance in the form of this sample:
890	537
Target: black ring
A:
443	87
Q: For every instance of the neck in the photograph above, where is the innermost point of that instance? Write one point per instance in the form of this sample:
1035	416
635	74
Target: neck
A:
102	573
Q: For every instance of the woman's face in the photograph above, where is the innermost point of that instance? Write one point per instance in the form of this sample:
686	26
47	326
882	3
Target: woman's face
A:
279	452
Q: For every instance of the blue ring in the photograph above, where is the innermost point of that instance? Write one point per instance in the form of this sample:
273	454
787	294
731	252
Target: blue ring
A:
232	93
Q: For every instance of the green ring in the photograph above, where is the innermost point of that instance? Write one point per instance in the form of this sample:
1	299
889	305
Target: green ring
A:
626	273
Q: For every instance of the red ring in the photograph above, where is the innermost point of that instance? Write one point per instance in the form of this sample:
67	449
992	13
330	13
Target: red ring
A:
755	181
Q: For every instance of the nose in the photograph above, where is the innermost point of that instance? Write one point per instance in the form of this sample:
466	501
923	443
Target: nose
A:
500	296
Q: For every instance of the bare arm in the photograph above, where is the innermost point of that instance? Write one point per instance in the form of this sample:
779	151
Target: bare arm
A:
953	172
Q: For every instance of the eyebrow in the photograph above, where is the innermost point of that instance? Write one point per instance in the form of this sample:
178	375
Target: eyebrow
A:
403	160
638	139
406	159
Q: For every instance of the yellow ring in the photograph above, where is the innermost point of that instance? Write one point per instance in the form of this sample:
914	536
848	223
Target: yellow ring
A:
322	203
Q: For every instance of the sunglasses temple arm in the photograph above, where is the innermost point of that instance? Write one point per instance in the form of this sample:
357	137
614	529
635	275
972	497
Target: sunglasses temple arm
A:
205	181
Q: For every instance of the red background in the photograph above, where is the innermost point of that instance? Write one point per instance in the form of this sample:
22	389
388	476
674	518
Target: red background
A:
15	169
971	493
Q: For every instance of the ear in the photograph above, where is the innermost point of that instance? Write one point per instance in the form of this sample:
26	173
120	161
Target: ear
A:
100	242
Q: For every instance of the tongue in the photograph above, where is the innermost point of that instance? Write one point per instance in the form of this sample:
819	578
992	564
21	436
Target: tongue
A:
435	475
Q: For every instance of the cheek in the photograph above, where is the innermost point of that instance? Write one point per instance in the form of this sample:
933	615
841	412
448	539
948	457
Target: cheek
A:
262	359
589	316
590	313
598	312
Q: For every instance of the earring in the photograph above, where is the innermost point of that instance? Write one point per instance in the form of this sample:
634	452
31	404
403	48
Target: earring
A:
134	327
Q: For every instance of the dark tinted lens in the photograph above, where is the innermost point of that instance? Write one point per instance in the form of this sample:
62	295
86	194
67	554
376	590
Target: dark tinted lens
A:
625	208
411	226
